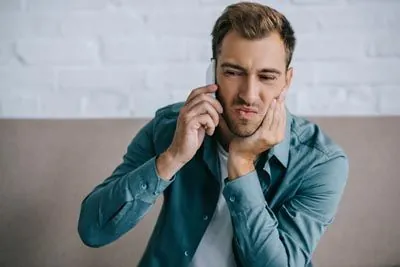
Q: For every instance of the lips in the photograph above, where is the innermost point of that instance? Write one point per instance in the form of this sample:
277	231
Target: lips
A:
247	110
246	113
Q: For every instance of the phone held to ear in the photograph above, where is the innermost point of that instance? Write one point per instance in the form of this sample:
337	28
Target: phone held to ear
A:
210	74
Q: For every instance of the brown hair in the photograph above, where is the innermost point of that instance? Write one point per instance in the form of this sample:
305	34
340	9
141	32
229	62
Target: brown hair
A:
253	21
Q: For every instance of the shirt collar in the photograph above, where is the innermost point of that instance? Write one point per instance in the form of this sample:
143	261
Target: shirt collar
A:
281	150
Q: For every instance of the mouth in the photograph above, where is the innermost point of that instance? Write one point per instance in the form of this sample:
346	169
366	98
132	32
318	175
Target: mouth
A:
246	113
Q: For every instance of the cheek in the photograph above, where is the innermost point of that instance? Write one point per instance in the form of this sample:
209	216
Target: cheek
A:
222	97
268	95
271	92
225	93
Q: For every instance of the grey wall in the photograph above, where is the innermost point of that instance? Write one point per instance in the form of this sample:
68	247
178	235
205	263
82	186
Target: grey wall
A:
47	167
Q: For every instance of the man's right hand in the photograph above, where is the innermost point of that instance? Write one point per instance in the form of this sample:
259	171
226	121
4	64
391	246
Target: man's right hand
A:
199	115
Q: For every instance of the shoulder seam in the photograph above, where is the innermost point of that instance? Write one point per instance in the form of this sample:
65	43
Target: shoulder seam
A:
327	154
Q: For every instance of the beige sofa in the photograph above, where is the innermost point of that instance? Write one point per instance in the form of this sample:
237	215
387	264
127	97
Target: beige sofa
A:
48	166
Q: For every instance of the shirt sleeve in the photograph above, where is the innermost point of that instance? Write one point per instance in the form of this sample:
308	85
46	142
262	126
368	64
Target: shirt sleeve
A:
289	237
121	200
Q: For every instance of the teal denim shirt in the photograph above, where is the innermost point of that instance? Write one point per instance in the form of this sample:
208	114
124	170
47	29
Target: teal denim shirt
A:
279	211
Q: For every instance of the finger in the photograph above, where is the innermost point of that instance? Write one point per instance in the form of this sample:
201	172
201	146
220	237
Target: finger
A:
282	96
282	123
201	108
205	121
201	90
269	115
205	97
276	117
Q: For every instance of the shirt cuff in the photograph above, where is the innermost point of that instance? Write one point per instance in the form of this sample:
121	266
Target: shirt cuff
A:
244	192
145	183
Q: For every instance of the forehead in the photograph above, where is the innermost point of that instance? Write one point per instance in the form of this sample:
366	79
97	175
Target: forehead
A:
266	52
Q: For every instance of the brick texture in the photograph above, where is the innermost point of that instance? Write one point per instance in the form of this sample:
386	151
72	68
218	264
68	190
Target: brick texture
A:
125	58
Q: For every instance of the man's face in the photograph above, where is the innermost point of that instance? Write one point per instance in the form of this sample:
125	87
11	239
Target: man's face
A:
250	74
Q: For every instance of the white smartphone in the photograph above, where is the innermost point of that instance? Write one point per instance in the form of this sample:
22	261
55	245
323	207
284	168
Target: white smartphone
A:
210	74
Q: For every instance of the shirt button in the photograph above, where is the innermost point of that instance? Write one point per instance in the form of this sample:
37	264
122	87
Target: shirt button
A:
232	199
144	186
205	217
186	253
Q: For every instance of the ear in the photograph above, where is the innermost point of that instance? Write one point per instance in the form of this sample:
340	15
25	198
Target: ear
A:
288	78
288	81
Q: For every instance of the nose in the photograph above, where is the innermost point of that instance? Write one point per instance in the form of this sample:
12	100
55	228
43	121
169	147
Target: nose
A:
249	90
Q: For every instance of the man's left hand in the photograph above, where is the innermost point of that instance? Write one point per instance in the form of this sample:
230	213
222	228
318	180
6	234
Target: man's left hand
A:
243	151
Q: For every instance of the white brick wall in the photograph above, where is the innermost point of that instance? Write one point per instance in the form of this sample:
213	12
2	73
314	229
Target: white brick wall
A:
126	58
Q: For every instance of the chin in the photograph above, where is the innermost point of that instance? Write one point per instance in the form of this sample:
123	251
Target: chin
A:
243	129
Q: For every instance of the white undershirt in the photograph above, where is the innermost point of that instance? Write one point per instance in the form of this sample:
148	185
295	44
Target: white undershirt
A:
215	248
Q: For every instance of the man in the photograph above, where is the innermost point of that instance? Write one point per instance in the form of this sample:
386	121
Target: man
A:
245	183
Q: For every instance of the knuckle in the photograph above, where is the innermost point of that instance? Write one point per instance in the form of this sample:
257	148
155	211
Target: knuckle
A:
184	109
201	98
185	119
206	103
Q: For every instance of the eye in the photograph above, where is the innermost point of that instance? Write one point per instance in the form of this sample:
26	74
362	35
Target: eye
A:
268	77
231	73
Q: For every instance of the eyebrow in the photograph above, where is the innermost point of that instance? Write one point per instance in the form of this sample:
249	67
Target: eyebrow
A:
238	67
